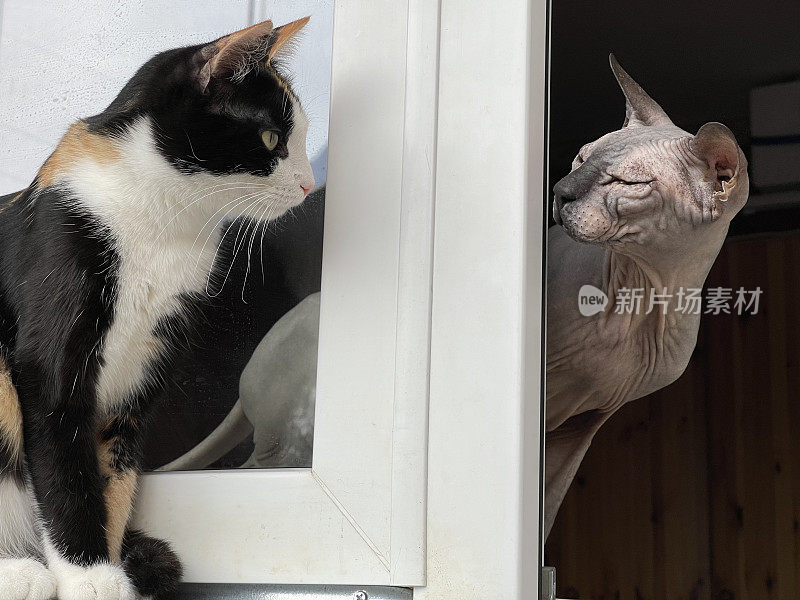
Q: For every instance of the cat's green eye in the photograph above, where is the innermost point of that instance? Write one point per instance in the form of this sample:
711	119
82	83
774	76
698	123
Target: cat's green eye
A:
270	139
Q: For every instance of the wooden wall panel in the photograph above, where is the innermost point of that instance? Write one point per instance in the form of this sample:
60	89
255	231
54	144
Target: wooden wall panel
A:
694	492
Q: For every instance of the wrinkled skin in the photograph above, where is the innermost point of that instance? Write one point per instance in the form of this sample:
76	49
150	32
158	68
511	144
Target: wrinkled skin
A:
647	206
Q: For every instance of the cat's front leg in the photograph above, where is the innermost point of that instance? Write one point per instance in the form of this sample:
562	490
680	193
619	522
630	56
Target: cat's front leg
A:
150	563
119	455
22	577
61	450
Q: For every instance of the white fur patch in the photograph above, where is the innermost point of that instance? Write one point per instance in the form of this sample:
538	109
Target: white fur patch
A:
166	230
25	579
102	581
18	524
98	582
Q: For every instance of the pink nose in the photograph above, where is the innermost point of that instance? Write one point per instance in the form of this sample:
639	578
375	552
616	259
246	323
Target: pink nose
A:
306	187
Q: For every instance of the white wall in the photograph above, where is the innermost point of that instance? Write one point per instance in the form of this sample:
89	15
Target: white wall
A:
60	62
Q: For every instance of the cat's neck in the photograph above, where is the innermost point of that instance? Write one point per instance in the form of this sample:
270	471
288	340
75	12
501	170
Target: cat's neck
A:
138	192
656	299
624	271
156	214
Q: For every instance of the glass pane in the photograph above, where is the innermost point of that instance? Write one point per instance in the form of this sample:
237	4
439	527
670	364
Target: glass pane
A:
672	329
241	391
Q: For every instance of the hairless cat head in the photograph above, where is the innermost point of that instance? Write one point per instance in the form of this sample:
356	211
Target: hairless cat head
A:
649	185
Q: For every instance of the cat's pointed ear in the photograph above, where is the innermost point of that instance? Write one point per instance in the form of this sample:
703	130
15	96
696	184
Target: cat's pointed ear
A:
283	36
716	145
640	108
233	54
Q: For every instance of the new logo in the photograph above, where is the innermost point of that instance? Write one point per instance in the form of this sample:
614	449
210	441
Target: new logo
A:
591	300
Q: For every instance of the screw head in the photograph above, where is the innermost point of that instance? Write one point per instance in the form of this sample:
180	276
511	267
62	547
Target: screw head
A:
360	595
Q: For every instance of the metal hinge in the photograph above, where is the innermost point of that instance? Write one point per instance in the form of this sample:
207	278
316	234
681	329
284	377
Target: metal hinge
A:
200	591
548	591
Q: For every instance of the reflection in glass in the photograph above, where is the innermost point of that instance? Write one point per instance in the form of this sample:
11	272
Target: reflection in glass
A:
243	396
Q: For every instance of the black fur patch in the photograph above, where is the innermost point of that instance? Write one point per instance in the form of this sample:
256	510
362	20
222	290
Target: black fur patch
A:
152	565
218	131
58	276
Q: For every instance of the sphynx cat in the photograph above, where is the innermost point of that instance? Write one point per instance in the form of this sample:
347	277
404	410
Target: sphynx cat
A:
645	207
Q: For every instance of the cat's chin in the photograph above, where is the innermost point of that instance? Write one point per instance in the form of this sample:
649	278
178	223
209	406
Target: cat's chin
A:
575	226
579	236
268	210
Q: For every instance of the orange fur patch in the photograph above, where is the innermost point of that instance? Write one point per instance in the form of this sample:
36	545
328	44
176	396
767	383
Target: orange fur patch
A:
285	33
13	200
118	495
77	144
10	413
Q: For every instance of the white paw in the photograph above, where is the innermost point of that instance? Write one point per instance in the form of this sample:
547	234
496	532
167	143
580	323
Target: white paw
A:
25	579
99	582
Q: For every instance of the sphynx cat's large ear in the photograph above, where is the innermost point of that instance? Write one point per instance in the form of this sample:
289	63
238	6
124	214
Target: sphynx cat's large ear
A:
640	108
716	145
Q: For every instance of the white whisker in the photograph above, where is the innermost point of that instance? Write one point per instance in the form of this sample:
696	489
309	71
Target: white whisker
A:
233	259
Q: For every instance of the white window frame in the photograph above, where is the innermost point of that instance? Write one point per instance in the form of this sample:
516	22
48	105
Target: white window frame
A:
426	468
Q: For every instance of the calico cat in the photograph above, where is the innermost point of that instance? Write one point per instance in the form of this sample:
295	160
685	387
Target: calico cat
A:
101	259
